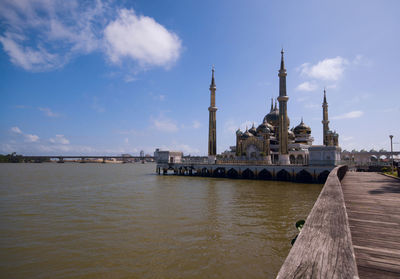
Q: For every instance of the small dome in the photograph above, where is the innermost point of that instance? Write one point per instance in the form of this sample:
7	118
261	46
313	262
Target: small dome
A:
238	132
247	134
302	129
253	130
264	128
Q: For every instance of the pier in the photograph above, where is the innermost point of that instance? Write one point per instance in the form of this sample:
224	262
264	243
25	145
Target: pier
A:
373	208
249	170
351	232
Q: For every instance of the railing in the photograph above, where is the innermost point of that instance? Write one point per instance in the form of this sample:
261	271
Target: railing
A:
324	248
195	160
227	161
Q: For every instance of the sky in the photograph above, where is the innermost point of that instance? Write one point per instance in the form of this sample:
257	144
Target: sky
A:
113	77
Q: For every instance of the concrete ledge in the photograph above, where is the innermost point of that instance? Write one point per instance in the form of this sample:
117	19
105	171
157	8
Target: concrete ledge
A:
398	178
324	248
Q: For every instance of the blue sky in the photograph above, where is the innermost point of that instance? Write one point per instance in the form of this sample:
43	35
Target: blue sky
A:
112	77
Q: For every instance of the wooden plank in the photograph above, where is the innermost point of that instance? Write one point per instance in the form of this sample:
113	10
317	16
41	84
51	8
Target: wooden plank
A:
372	203
366	272
378	265
323	249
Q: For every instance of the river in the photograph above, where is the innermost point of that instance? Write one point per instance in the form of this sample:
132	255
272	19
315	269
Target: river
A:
123	221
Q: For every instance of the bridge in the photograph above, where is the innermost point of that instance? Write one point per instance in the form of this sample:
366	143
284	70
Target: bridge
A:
351	232
367	156
84	158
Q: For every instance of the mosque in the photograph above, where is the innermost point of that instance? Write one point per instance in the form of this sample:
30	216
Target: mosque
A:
273	141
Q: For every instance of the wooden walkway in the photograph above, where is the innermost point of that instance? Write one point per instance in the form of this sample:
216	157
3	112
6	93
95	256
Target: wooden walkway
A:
373	206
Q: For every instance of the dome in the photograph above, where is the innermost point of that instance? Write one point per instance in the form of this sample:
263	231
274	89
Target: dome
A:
272	117
238	132
302	128
247	134
265	128
253	130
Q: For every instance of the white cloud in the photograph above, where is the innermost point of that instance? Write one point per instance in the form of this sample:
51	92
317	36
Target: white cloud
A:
196	124
185	148
16	130
141	38
327	69
43	35
165	124
59	139
349	115
31	138
27	137
306	86
48	112
27	57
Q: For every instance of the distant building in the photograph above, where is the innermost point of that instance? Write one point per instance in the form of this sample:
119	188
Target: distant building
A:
141	154
168	156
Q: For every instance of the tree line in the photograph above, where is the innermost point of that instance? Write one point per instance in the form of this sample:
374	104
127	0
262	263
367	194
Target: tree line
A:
15	158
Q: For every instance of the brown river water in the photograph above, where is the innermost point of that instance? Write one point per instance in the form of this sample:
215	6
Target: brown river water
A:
123	221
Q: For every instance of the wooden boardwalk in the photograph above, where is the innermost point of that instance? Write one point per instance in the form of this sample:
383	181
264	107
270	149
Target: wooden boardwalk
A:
373	206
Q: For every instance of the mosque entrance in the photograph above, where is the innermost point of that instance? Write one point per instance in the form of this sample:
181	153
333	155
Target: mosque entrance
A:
252	151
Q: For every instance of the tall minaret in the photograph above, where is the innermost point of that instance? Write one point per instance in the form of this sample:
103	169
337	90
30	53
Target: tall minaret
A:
325	121
283	119
212	125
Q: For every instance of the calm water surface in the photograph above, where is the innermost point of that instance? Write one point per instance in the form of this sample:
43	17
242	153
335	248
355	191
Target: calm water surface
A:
123	221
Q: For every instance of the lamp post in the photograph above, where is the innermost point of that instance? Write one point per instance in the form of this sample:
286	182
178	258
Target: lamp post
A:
391	150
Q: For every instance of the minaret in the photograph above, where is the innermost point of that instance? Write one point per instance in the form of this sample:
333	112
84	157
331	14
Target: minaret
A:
212	125
325	121
283	119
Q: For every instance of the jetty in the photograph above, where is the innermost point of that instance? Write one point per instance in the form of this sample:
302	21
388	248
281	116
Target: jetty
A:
351	232
373	207
250	170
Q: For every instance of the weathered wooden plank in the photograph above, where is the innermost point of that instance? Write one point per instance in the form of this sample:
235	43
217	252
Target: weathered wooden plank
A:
324	247
366	272
378	265
384	251
372	203
378	258
364	242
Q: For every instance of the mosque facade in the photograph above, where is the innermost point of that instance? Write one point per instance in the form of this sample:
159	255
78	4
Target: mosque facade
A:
272	141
